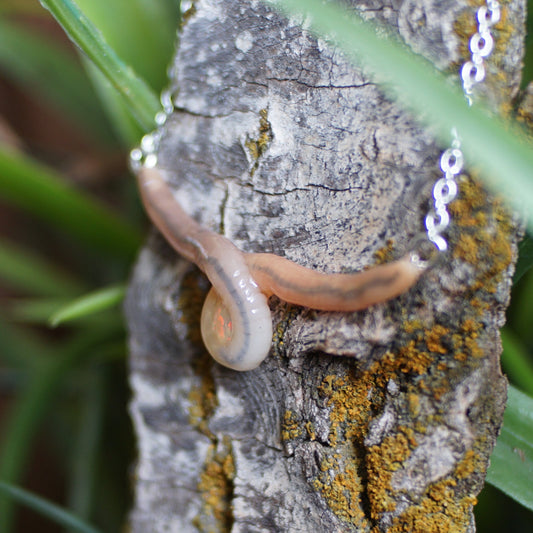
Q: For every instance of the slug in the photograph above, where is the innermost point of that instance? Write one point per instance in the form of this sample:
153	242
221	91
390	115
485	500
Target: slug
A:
236	323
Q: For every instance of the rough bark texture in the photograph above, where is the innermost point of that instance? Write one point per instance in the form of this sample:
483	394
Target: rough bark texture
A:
284	147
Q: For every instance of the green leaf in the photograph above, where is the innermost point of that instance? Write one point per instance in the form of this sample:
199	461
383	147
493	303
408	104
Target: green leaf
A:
89	304
29	272
46	508
499	149
141	100
511	468
525	258
517	361
39	190
50	73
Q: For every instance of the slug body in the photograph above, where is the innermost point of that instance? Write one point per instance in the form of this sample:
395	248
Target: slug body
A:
236	322
331	292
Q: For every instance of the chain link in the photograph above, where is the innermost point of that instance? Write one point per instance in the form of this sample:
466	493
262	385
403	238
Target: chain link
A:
451	162
145	155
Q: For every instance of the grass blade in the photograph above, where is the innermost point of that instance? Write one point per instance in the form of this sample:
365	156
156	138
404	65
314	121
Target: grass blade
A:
43	193
89	304
124	124
141	100
50	73
47	508
144	38
511	468
88	441
499	149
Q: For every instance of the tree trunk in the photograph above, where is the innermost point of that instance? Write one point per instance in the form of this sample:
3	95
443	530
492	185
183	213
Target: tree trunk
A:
379	420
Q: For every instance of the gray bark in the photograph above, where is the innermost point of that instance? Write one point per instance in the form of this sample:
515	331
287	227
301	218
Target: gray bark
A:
378	420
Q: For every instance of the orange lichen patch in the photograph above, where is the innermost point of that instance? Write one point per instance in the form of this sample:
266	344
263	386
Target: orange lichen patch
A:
342	490
413	400
351	404
464	27
278	344
472	198
434	337
414	360
465	344
203	402
471	327
385	254
353	399
412	326
216	488
382	461
356	398
482	229
310	428
439	511
466	248
290	428
467	465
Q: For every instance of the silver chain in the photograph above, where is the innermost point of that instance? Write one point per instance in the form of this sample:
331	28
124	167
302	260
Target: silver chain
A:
473	72
145	155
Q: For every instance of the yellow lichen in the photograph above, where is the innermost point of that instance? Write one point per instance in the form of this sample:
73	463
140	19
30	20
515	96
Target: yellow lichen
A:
385	254
290	428
257	147
216	489
467	465
381	462
434	338
310	428
352	404
439	511
343	492
414	404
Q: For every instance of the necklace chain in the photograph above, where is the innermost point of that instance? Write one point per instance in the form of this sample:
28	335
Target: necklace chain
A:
473	72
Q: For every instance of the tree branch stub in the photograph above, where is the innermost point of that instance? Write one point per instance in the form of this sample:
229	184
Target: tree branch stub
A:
381	420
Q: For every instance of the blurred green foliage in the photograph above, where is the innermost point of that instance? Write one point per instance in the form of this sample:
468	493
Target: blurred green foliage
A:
65	390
